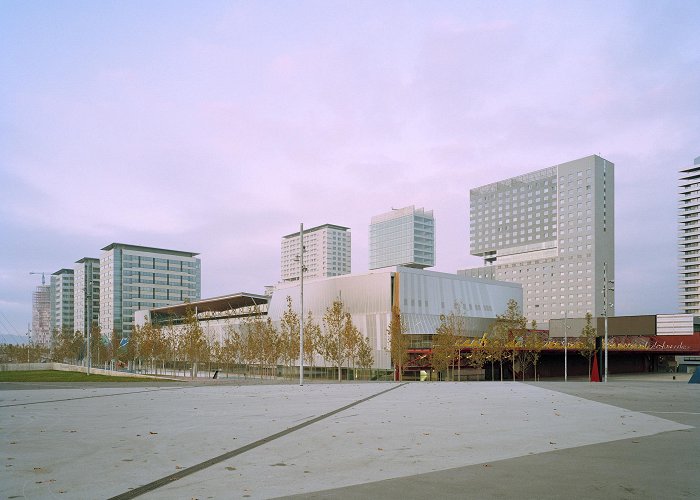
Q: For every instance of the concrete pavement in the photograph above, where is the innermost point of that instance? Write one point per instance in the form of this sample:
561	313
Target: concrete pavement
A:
625	439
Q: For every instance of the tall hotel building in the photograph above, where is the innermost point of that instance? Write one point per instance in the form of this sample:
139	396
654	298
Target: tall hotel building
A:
402	237
327	253
689	238
86	287
62	301
552	231
135	277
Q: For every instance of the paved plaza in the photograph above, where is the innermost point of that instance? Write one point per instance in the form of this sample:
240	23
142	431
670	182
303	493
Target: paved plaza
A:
629	438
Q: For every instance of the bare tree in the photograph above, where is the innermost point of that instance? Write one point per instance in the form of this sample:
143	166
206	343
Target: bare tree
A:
334	321
312	340
289	336
504	333
477	358
496	344
97	345
399	342
114	346
534	344
231	348
67	345
351	343
587	342
270	346
446	341
194	346
365	358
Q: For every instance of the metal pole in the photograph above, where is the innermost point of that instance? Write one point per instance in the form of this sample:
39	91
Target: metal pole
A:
566	344
605	313
301	318
88	297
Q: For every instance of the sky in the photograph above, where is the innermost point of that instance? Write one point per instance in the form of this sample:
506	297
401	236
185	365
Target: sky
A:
219	127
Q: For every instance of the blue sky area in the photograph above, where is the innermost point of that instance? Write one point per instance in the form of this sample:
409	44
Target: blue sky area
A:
217	127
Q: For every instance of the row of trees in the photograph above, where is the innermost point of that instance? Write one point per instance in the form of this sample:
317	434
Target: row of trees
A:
66	346
508	340
256	346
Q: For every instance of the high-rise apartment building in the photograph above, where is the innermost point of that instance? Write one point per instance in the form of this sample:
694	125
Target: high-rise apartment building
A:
689	238
134	277
41	316
86	288
327	253
402	237
552	231
62	301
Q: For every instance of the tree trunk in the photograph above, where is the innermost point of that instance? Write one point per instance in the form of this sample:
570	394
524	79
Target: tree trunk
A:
459	367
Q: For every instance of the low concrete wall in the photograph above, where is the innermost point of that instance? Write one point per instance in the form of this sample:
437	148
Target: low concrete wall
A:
8	367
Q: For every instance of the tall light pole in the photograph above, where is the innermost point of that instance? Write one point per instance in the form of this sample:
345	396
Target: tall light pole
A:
88	297
607	287
566	346
301	317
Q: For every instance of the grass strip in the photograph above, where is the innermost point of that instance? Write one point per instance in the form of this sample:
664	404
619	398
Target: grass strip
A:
61	376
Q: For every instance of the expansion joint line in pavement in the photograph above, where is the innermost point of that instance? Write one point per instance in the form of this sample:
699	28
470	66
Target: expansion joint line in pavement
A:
90	397
230	454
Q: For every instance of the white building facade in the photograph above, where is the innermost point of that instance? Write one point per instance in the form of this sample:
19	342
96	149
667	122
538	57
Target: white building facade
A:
403	237
689	239
134	277
553	232
86	287
327	253
62	301
421	295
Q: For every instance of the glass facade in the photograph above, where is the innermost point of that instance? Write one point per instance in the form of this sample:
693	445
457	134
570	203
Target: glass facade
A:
62	300
404	237
133	278
87	293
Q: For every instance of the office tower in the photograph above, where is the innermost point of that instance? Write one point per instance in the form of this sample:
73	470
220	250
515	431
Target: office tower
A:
133	277
62	301
327	253
402	237
41	316
552	231
86	288
689	238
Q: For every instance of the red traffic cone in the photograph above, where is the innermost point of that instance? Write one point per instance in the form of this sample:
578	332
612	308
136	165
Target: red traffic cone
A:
595	373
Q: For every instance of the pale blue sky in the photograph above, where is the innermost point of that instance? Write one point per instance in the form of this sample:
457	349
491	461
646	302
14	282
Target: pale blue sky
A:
218	127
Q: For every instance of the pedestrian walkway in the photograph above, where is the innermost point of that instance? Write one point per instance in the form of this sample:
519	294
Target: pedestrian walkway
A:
340	440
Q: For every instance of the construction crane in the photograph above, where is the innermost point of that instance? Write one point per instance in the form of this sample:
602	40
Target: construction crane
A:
43	276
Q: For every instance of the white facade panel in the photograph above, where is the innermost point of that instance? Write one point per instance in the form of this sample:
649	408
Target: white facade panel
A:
689	239
675	324
552	231
327	253
423	296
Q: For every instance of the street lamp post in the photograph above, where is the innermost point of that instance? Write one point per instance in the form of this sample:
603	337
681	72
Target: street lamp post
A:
88	297
301	317
566	346
607	287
